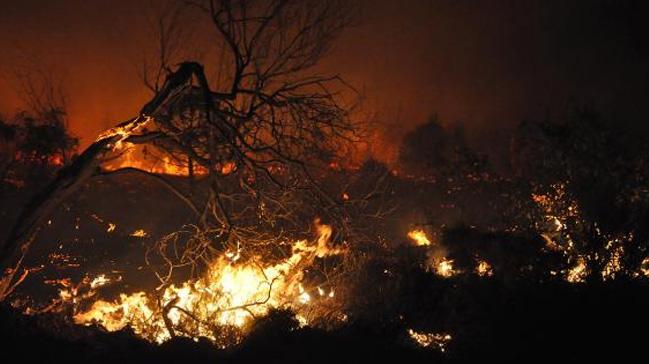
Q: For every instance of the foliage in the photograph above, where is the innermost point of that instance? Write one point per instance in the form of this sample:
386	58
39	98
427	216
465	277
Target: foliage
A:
35	145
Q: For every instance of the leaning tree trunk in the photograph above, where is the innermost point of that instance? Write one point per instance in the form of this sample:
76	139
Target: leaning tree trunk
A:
72	177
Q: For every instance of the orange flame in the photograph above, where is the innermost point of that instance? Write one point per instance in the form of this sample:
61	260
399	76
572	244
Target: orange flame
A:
419	237
228	294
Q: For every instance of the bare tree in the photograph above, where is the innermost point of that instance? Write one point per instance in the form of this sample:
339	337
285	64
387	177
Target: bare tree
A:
170	38
257	136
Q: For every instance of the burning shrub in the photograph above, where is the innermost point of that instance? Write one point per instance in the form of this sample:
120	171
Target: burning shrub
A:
220	304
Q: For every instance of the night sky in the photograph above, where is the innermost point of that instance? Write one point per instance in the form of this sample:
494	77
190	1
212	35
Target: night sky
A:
486	65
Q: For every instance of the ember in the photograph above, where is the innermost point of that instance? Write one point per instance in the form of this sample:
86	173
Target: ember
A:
484	269
433	340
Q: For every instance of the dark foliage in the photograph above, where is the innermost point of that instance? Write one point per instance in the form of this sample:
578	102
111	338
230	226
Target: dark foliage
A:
33	146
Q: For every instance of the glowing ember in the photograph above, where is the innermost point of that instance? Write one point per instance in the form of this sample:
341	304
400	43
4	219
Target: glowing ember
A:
140	233
99	281
434	340
111	228
614	264
484	269
228	168
579	272
419	237
444	268
644	267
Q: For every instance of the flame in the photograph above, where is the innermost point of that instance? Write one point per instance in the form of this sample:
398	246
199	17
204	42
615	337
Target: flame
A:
614	265
124	131
644	267
444	268
227	168
579	272
436	340
419	237
136	157
99	281
55	160
484	269
229	294
324	238
304	296
139	233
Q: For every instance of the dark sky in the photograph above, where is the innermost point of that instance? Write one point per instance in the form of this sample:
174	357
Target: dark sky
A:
485	65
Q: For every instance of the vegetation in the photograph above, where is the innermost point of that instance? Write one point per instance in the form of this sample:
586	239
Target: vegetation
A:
278	250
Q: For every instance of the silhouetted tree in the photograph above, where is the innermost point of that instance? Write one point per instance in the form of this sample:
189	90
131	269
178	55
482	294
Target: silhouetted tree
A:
257	133
37	141
433	150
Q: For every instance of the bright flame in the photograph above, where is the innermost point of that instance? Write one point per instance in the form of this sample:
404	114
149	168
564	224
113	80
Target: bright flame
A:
229	294
99	281
444	268
484	269
419	237
139	233
304	296
111	228
124	131
134	157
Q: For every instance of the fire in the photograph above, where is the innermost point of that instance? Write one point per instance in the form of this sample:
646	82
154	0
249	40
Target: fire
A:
579	272
444	268
437	260
419	237
99	281
614	265
228	167
135	157
484	269
139	233
644	267
304	296
435	340
56	160
324	238
230	294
